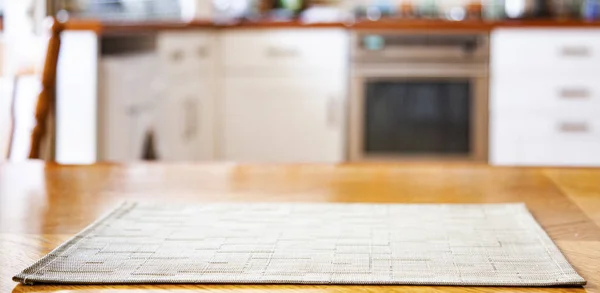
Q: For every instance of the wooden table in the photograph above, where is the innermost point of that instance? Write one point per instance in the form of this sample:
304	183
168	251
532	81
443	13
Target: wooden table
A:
43	205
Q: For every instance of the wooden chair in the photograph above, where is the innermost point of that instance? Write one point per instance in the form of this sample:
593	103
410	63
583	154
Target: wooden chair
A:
43	134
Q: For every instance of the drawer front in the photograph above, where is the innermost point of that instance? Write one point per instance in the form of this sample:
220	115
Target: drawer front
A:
285	51
553	126
558	139
563	153
188	53
543	153
539	50
580	94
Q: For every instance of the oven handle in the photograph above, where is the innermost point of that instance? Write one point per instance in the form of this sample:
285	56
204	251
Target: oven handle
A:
333	112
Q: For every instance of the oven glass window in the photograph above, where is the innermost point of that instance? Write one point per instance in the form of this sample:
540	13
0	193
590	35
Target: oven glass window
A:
418	117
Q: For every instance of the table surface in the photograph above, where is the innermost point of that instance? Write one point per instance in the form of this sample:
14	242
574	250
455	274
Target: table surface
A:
43	205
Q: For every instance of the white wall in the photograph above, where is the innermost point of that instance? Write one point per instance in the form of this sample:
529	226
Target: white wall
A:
23	21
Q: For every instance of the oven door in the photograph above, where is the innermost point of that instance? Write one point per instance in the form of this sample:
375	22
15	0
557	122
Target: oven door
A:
401	112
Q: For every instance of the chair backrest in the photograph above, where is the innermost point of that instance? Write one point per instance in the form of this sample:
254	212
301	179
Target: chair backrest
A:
44	130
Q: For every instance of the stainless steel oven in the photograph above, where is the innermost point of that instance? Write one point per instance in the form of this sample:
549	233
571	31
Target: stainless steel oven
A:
419	96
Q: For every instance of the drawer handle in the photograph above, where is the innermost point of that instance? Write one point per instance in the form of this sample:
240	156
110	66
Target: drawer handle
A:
134	110
281	52
573	127
575	51
332	112
140	108
177	56
202	52
190	129
574	93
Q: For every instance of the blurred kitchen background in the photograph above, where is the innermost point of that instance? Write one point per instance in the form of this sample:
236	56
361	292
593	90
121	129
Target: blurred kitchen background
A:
504	82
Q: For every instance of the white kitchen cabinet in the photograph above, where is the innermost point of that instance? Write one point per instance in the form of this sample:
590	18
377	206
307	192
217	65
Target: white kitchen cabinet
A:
182	120
555	91
283	120
284	95
545	97
541	51
188	122
129	97
547	138
242	95
189	63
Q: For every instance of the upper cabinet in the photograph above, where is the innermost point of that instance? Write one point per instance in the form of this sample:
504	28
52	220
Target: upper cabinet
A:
545	97
284	95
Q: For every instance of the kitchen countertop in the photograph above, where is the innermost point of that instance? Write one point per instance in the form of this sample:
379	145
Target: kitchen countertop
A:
42	205
408	24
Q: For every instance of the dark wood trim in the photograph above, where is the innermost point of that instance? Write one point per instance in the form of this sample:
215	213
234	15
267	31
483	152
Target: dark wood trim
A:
13	117
405	24
46	100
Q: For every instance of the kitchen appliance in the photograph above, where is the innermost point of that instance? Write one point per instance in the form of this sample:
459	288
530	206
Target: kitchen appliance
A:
122	10
565	9
419	95
292	5
231	10
590	10
519	9
196	9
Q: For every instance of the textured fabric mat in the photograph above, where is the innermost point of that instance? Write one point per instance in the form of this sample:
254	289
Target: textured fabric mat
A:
419	244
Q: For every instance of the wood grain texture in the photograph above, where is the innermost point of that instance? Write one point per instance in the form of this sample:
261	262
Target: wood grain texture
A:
43	205
113	27
121	27
45	108
581	187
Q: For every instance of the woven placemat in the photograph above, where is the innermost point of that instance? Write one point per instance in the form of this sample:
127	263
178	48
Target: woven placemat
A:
412	244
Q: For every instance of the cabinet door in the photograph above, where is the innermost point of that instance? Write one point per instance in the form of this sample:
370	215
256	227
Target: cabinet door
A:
186	123
128	101
283	120
125	124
